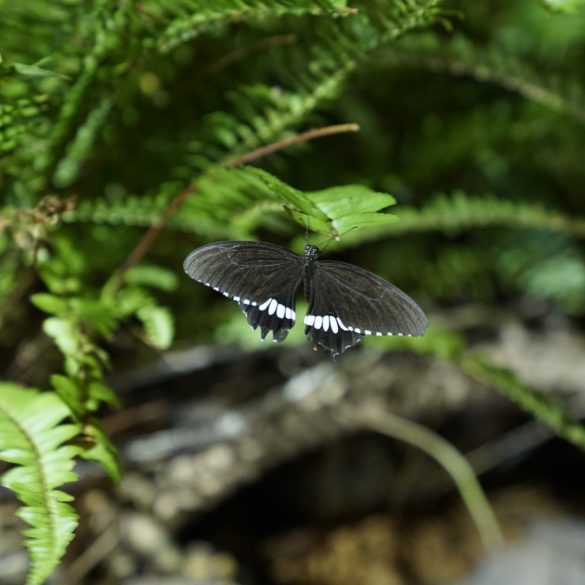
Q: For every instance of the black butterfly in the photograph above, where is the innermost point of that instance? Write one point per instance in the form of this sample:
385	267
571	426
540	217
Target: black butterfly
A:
345	302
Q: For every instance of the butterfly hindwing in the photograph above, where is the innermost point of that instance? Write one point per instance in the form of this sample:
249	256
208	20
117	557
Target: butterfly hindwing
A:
347	302
261	277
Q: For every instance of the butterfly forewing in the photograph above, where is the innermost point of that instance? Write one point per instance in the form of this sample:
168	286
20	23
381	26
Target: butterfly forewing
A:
347	302
262	278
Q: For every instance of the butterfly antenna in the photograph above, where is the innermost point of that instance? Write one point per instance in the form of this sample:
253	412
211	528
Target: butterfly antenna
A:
335	238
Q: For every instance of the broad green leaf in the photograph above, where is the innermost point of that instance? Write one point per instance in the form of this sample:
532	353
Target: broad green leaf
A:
352	207
33	437
350	199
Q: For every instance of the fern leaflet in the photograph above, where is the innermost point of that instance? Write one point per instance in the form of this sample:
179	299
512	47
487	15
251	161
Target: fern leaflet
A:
33	437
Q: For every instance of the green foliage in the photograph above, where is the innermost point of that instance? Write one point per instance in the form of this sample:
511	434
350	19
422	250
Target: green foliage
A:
34	439
183	21
235	202
459	57
569	6
460	211
544	408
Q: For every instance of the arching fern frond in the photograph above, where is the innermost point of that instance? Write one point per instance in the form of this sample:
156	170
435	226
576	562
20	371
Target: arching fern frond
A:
235	202
105	39
33	437
184	20
260	115
460	211
242	196
458	56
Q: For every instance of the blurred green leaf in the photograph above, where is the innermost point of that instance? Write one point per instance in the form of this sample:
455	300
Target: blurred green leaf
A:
152	276
99	392
96	314
158	325
63	334
103	452
69	392
49	303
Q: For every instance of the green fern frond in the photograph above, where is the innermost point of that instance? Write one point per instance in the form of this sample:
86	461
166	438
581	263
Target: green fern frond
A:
80	147
106	38
460	211
240	194
51	23
546	409
187	19
33	437
17	119
235	202
459	57
262	114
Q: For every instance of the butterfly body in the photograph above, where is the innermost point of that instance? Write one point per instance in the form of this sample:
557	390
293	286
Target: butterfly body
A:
345	302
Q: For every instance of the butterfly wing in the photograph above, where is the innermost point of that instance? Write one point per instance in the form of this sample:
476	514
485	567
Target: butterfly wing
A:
347	302
262	278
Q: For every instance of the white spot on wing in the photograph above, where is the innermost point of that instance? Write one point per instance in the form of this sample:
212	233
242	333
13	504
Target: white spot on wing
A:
263	306
272	307
309	320
333	322
326	323
378	333
237	299
280	311
355	330
342	326
318	322
367	332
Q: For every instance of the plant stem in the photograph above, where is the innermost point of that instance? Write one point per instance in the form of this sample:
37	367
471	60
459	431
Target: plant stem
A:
379	419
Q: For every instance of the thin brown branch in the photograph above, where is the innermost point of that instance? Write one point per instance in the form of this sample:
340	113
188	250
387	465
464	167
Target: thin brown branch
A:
154	230
282	144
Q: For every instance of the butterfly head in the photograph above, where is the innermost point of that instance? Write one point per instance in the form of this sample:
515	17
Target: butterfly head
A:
311	251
